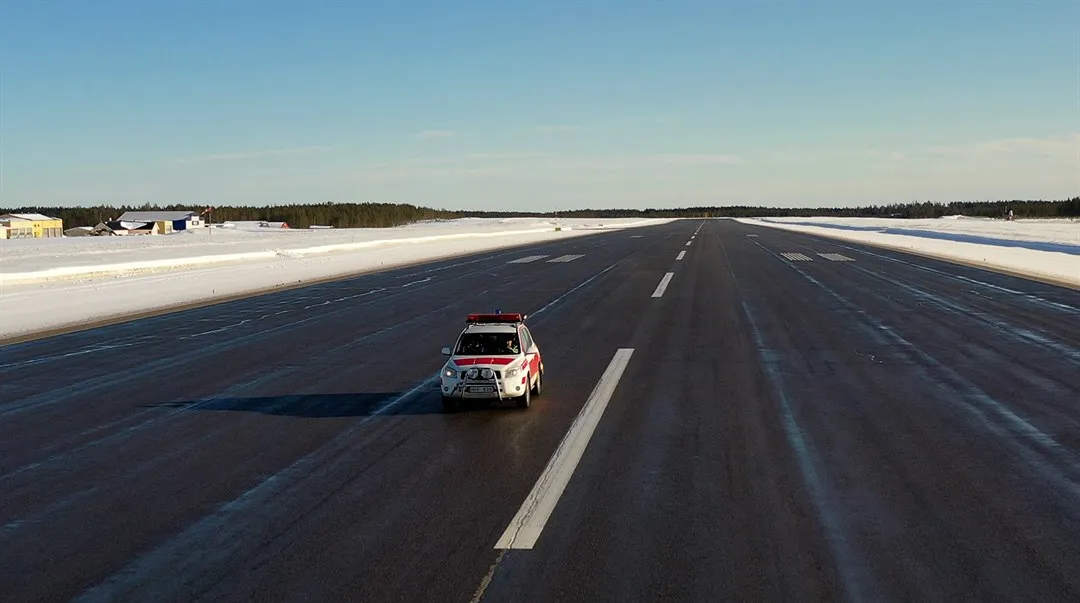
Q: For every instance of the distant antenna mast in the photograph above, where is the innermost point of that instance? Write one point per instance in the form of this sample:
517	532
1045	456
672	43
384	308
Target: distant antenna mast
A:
209	213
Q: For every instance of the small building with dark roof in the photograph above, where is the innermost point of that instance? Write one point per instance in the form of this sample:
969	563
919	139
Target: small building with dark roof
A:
181	220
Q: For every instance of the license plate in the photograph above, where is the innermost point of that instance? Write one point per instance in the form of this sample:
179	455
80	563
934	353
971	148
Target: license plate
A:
480	389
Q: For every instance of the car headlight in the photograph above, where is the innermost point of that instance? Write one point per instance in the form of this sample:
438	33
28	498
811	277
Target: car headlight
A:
512	372
449	373
486	373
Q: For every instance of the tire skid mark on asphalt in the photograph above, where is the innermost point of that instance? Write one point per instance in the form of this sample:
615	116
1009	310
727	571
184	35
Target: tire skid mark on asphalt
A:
227	393
180	552
454	265
1055	463
568	293
265	306
1023	294
183	357
382	410
857	579
489	257
999	324
1018	334
290	301
275	374
96	347
230	392
189	548
147	465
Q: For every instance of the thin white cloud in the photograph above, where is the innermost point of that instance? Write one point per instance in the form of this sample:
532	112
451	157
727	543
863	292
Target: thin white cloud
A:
1062	145
886	155
555	128
823	156
519	156
695	159
428	134
544	165
535	161
1024	167
1056	147
254	154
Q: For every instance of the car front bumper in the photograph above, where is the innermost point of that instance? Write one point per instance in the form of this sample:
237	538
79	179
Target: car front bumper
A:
485	389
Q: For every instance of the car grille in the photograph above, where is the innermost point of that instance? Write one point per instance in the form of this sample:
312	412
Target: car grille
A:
465	374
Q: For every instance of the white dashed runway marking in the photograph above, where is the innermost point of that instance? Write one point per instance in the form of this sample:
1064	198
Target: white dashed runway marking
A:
527	259
663	285
836	257
797	257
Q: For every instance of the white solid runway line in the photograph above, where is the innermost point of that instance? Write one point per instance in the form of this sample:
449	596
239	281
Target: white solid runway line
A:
528	523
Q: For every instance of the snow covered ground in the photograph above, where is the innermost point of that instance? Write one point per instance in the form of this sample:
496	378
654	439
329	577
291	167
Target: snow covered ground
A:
25	260
51	283
1046	249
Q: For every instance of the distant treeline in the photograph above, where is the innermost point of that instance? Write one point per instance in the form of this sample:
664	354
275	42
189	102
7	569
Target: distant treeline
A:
382	215
987	209
338	215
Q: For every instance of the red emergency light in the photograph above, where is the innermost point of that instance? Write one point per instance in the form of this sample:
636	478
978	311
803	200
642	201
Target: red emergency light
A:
495	318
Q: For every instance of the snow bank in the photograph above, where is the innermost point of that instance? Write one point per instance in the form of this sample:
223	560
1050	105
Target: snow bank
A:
1044	249
31	260
55	283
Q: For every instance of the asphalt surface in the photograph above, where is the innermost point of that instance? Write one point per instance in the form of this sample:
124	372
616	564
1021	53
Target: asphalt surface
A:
889	428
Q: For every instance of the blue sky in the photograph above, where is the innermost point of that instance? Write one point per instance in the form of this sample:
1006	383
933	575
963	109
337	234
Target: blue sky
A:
538	105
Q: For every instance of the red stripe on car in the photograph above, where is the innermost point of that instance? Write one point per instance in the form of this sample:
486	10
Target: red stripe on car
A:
483	360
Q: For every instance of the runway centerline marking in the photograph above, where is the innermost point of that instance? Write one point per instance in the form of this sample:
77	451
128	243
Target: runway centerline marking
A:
681	255
659	292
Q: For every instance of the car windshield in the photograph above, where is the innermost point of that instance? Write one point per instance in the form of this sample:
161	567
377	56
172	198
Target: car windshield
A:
484	344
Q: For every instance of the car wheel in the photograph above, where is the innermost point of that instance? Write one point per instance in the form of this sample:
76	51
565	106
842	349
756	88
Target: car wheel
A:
539	384
524	400
449	404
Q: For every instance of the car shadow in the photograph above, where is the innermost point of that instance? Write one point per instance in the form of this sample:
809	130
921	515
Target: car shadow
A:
316	406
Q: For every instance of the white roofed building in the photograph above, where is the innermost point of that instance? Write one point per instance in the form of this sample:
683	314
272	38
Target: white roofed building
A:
181	220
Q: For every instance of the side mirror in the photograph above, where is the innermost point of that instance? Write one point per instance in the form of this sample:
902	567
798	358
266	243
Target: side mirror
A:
446	351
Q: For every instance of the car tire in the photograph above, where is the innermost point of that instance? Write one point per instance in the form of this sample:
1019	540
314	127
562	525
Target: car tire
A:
449	404
539	384
525	399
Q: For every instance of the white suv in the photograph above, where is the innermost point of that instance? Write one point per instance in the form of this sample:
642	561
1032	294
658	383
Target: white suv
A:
495	357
